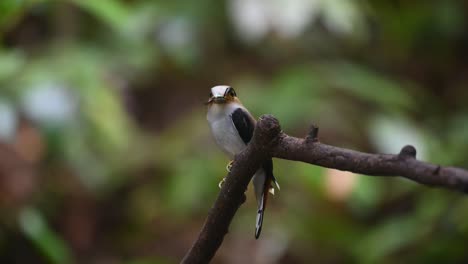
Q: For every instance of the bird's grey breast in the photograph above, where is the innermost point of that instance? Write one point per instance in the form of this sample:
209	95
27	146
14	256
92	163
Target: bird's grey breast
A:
224	130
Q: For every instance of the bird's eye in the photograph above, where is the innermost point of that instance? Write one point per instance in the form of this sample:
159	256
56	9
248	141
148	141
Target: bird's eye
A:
232	92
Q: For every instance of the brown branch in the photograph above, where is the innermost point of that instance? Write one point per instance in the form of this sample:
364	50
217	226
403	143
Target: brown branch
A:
269	141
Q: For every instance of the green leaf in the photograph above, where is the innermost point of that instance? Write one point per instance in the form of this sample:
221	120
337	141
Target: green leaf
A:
367	85
9	9
35	228
10	63
109	11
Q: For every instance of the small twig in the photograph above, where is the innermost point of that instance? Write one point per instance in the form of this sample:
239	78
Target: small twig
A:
313	133
408	151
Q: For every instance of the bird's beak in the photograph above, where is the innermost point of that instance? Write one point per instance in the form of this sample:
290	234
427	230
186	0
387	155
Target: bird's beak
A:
219	100
209	101
216	100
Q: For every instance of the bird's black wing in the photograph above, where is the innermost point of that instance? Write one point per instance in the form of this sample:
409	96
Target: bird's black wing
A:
244	124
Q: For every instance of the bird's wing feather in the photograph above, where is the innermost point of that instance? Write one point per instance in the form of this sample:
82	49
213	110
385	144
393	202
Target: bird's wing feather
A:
244	123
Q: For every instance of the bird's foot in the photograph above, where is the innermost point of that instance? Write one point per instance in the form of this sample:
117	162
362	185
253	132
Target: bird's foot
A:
229	166
220	184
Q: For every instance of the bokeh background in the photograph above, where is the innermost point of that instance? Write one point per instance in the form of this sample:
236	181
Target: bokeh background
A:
106	156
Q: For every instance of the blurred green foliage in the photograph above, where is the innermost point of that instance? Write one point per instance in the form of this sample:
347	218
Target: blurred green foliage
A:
101	110
34	228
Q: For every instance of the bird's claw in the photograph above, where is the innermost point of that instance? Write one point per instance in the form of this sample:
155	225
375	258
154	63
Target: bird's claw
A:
229	166
220	184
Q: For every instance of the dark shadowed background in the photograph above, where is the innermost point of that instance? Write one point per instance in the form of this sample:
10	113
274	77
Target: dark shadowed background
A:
106	156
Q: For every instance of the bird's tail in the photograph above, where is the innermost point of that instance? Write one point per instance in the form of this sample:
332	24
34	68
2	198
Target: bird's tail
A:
261	210
262	188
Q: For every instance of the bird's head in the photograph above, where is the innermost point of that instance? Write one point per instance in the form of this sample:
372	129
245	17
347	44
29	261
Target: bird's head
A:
222	94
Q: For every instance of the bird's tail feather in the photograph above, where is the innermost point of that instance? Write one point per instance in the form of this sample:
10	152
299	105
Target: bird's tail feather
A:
259	221
261	207
271	189
264	183
276	183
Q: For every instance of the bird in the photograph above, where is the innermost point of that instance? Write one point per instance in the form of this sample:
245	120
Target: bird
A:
232	127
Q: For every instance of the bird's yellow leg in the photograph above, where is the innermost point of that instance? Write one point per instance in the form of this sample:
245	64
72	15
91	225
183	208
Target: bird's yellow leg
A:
229	165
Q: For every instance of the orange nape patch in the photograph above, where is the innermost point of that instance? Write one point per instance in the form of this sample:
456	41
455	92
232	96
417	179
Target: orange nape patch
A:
232	99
